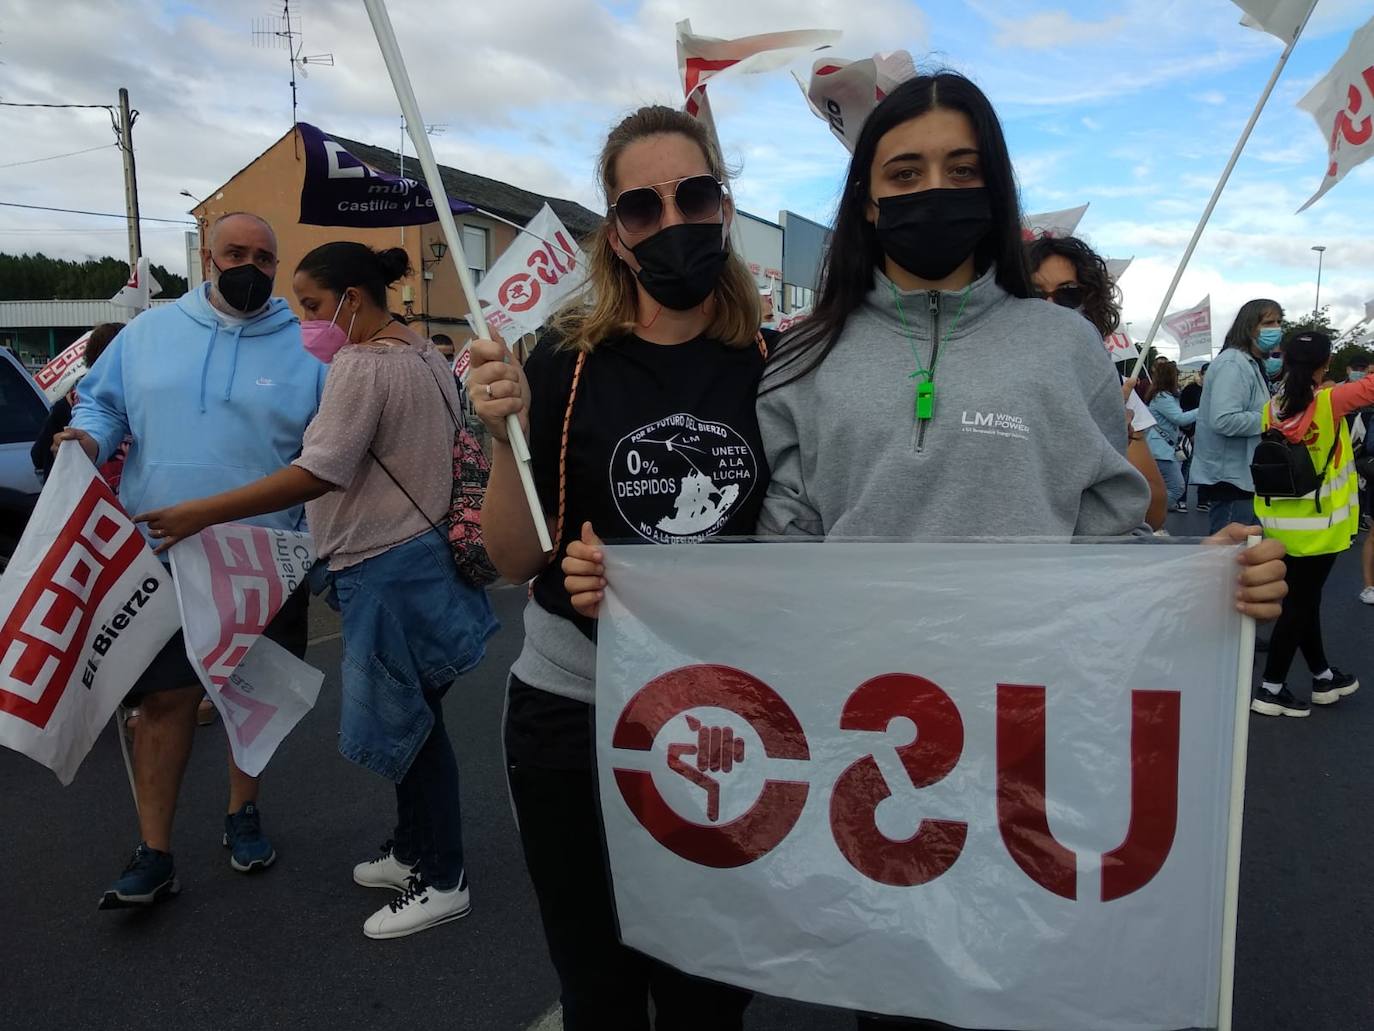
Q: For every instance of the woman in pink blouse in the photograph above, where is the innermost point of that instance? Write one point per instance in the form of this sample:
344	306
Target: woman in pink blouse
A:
375	474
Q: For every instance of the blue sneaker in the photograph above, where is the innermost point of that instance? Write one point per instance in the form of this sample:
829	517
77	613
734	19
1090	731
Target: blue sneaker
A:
149	878
243	834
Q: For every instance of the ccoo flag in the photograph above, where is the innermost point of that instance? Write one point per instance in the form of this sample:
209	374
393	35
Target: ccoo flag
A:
699	58
343	190
1343	105
1193	330
87	606
1053	223
141	285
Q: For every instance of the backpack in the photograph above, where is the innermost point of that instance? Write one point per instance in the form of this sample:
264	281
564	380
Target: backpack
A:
471	470
1282	469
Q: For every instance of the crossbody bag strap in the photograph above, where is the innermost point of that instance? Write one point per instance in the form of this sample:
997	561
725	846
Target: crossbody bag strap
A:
563	452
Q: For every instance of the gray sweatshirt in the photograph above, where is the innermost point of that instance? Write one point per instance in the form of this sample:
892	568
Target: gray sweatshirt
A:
1028	436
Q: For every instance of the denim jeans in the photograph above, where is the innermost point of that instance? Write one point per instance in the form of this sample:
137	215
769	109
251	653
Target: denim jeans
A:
1222	513
411	626
1173	479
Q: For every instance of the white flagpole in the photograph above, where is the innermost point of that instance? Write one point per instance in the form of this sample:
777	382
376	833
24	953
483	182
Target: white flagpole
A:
1240	744
415	124
1221	185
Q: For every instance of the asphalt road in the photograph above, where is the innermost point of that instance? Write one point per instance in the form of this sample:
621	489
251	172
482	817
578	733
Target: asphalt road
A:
286	949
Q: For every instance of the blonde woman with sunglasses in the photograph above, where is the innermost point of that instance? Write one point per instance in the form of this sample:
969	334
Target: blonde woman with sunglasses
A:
639	407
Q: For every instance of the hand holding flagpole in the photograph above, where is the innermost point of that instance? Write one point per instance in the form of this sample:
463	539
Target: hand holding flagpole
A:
410	109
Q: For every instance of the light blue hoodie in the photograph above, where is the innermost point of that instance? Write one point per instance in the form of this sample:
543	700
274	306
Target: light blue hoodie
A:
210	407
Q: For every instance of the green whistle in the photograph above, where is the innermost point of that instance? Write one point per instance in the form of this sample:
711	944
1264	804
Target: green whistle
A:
925	399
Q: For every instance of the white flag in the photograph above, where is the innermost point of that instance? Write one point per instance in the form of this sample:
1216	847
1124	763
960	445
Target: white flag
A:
1369	310
1281	18
844	93
538	271
88	606
1120	346
1343	105
140	287
65	371
1193	330
922	779
700	58
230	581
1053	223
1116	267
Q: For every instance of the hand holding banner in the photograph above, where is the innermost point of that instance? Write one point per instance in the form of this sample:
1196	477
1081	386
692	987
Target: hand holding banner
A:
231	580
88	606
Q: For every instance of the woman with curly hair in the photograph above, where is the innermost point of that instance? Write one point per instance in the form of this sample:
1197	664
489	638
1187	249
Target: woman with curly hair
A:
1068	272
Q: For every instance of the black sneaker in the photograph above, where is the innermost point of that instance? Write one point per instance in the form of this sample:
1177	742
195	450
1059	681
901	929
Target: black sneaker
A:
1328	692
1282	704
250	849
149	878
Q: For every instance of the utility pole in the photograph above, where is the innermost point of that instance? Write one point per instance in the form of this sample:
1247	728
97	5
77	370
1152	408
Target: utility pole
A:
126	146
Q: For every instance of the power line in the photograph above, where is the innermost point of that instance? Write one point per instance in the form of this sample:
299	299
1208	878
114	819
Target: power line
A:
97	214
93	107
54	157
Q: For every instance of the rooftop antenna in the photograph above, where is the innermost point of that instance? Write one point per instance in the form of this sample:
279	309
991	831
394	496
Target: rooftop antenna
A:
437	129
280	32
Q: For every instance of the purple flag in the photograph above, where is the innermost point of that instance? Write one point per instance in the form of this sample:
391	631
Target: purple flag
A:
341	190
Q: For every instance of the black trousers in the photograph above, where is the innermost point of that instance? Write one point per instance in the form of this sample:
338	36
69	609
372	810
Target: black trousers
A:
605	986
1299	625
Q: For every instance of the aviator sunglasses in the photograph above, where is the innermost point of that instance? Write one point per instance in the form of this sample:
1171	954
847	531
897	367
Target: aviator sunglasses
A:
698	198
1070	296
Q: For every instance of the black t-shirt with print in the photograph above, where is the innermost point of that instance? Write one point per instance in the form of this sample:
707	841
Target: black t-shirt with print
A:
663	446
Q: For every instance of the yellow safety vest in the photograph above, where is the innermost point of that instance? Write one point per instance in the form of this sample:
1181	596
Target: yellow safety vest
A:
1298	522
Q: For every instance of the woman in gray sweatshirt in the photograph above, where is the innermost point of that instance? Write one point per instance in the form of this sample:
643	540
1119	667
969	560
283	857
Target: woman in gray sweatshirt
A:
931	394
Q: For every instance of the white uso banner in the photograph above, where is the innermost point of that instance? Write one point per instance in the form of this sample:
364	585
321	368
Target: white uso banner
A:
87	607
540	268
231	581
927	780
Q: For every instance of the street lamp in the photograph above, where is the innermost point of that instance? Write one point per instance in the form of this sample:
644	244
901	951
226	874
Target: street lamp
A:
1317	304
439	249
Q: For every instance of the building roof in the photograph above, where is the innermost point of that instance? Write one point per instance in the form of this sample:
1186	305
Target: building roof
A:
488	194
63	314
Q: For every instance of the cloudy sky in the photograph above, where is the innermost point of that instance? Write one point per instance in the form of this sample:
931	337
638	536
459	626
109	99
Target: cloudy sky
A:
1131	105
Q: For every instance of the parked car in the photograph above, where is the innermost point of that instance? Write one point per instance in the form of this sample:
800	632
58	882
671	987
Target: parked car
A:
23	410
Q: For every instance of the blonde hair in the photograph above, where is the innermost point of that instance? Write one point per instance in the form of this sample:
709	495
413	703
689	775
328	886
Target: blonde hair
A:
612	306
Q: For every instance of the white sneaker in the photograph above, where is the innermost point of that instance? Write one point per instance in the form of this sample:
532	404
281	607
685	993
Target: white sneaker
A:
1367	596
421	906
386	871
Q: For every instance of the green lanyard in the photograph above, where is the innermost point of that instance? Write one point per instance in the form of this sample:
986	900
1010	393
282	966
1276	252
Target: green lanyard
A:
925	385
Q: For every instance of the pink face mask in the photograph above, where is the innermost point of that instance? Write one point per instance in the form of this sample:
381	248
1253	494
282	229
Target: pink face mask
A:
324	339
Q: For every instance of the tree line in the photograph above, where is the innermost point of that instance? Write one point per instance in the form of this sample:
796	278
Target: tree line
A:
37	277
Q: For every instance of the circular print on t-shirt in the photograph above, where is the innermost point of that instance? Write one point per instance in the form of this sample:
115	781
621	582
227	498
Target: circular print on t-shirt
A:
680	478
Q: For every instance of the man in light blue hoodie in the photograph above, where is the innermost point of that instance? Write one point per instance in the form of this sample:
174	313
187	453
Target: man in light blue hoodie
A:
216	391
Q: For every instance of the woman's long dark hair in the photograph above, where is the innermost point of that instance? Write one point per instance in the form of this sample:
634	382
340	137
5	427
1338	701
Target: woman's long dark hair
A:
1101	296
1304	352
1165	381
853	253
1246	327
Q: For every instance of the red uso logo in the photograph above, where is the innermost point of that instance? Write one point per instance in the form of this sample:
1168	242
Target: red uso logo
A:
938	843
779	805
46	634
520	292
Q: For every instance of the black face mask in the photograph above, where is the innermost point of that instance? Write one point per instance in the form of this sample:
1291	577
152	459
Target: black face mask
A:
932	233
681	265
245	288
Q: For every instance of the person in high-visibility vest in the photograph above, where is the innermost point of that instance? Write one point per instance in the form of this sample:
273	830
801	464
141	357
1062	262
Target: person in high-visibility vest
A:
1316	528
